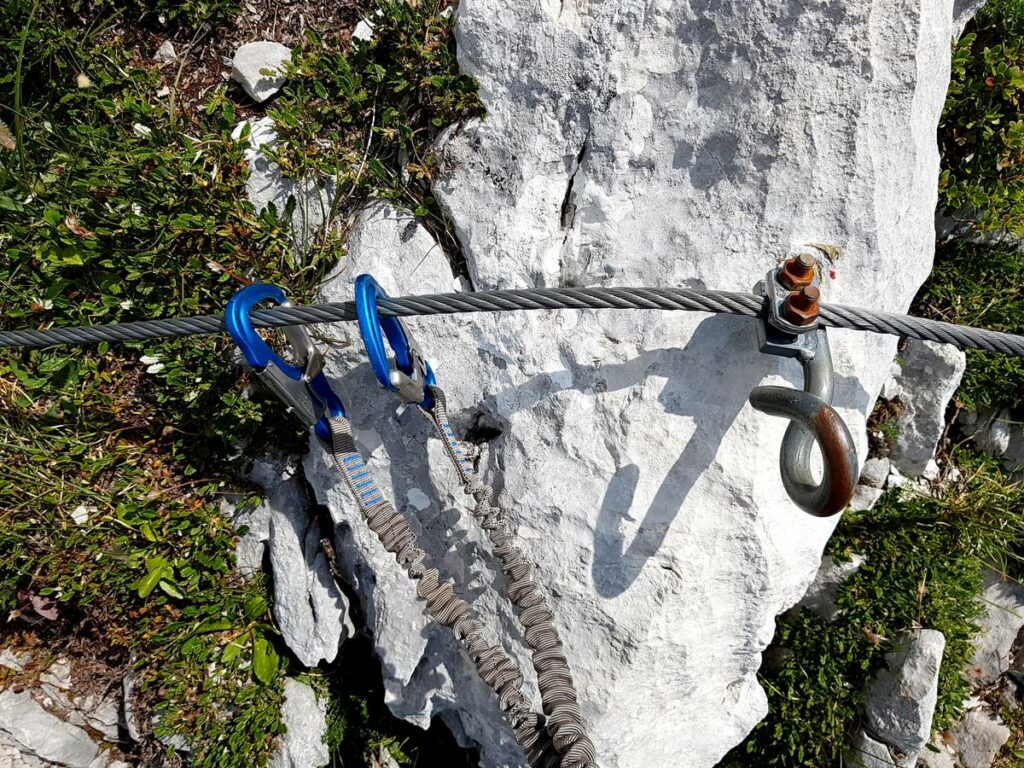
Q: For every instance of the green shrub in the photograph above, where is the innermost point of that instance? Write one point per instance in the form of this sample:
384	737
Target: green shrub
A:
366	117
981	135
137	558
983	285
925	559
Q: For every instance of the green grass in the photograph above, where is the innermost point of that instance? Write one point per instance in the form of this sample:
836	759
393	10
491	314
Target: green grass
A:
149	575
366	118
925	558
981	285
104	221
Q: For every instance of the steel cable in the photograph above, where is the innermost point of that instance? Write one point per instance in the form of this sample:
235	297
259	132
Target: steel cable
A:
685	299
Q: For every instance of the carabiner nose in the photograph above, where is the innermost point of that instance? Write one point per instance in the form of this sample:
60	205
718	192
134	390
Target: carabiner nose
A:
408	373
305	389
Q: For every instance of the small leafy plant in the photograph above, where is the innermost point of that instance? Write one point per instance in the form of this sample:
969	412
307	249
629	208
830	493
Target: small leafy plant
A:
981	284
365	117
981	134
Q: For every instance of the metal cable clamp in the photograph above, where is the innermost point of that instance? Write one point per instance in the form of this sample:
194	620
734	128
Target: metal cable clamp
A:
790	329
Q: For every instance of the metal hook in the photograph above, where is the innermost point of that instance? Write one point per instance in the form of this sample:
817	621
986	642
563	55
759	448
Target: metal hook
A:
790	330
305	390
407	373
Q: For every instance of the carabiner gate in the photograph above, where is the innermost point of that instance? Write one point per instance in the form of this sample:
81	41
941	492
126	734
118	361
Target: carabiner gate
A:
305	390
407	373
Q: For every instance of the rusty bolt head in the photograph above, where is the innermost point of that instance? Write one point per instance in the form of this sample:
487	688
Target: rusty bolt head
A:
801	307
798	272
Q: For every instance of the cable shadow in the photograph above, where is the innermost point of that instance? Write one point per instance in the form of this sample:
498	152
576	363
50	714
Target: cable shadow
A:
707	381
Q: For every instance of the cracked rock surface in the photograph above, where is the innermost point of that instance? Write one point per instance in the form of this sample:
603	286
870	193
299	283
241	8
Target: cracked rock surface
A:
930	374
639	143
901	702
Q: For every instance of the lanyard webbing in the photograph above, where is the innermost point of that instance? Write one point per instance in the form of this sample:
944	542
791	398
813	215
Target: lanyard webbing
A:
442	603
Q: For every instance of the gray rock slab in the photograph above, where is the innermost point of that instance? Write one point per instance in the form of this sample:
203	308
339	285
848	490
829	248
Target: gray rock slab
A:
864	498
1000	624
977	738
36	731
901	700
258	67
309	607
930	375
821	595
875	472
302	745
865	752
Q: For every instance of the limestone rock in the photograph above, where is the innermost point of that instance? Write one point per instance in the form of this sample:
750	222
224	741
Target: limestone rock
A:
1000	624
310	609
821	595
363	31
990	430
963	12
305	718
931	373
252	544
37	732
998	434
875	472
865	497
266	185
902	698
977	738
633	143
165	52
98	713
252	60
943	757
865	752
12	757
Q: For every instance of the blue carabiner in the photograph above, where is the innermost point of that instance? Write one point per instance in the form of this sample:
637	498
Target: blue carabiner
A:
410	374
305	390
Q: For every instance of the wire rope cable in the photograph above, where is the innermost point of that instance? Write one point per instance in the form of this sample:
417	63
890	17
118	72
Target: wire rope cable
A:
673	299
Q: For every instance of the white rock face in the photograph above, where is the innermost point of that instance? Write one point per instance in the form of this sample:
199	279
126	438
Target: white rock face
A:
250	63
363	31
266	186
931	373
963	12
35	732
978	737
309	608
302	745
1000	623
901	702
875	472
639	143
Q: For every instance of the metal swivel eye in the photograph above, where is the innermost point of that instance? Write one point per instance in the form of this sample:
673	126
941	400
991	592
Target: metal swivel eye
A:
790	330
